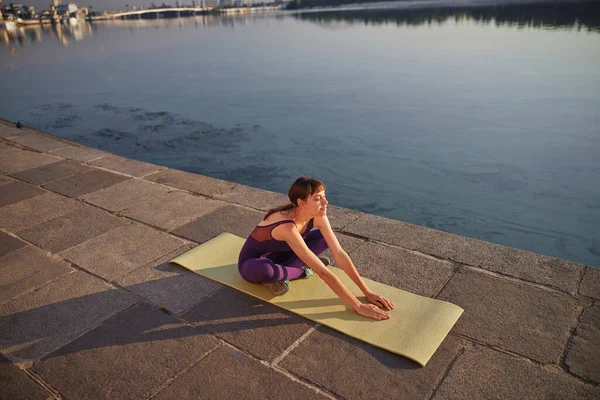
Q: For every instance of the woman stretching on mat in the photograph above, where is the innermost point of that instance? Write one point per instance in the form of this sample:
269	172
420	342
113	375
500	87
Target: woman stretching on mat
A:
284	243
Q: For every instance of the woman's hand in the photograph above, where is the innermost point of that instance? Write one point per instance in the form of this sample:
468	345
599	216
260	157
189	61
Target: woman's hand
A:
380	301
371	311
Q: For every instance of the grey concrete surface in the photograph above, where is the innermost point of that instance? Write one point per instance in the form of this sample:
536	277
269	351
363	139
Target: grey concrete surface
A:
91	308
126	194
16	384
14	192
511	315
121	250
14	159
230	374
87	182
333	360
129	356
37	323
399	268
482	373
71	229
524	265
582	357
194	183
248	323
36	210
9	243
51	172
233	219
169	285
172	210
78	153
125	165
27	268
590	283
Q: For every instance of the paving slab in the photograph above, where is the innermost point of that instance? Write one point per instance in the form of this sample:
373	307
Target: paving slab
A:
27	268
561	274
9	243
122	250
590	284
248	323
402	269
87	182
348	244
482	373
128	356
255	198
9	129
169	285
583	357
5	180
514	316
340	217
38	141
16	191
126	165
78	153
36	210
230	374
125	194
41	321
71	229
13	159
51	172
192	182
172	210
233	219
353	369
15	384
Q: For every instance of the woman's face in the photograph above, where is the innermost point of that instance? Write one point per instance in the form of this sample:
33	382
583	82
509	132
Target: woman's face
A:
316	204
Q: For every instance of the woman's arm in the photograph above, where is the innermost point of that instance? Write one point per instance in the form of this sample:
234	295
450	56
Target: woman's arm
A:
290	234
343	260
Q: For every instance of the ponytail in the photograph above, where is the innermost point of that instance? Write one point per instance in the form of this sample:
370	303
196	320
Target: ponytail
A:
286	207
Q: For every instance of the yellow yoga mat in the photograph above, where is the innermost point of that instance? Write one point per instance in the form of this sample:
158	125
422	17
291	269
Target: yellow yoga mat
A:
417	326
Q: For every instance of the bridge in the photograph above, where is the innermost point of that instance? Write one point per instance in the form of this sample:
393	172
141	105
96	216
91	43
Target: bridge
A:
132	14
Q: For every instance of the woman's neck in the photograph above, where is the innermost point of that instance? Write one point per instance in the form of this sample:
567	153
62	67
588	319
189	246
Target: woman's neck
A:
300	218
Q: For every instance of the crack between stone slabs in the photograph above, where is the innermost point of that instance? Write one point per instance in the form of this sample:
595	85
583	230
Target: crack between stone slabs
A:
311	385
455	270
581	275
38	288
511	278
573	332
40	381
550	365
291	347
59	347
170	381
446	372
474	267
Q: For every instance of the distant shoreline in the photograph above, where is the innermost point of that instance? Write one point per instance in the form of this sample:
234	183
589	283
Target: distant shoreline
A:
416	4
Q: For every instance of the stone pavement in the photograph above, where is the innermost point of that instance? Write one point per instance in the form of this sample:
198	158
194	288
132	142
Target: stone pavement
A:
90	308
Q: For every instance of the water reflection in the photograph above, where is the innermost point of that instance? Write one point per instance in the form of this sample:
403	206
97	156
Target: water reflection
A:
66	34
29	34
577	16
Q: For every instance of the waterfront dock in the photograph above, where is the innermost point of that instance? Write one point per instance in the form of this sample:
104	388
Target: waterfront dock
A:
90	308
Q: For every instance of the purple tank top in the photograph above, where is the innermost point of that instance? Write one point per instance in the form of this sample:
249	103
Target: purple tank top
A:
261	242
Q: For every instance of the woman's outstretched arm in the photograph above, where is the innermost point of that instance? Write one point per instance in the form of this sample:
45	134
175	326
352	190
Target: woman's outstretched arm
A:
291	235
343	260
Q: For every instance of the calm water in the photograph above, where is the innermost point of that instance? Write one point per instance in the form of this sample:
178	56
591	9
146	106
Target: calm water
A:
478	121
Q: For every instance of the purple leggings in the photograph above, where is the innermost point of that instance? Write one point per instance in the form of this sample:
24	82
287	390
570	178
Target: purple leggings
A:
281	266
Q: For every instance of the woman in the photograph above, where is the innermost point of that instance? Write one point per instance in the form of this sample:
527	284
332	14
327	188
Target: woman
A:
284	242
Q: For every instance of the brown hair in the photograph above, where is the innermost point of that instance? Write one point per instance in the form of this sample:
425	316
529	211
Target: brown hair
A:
300	189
